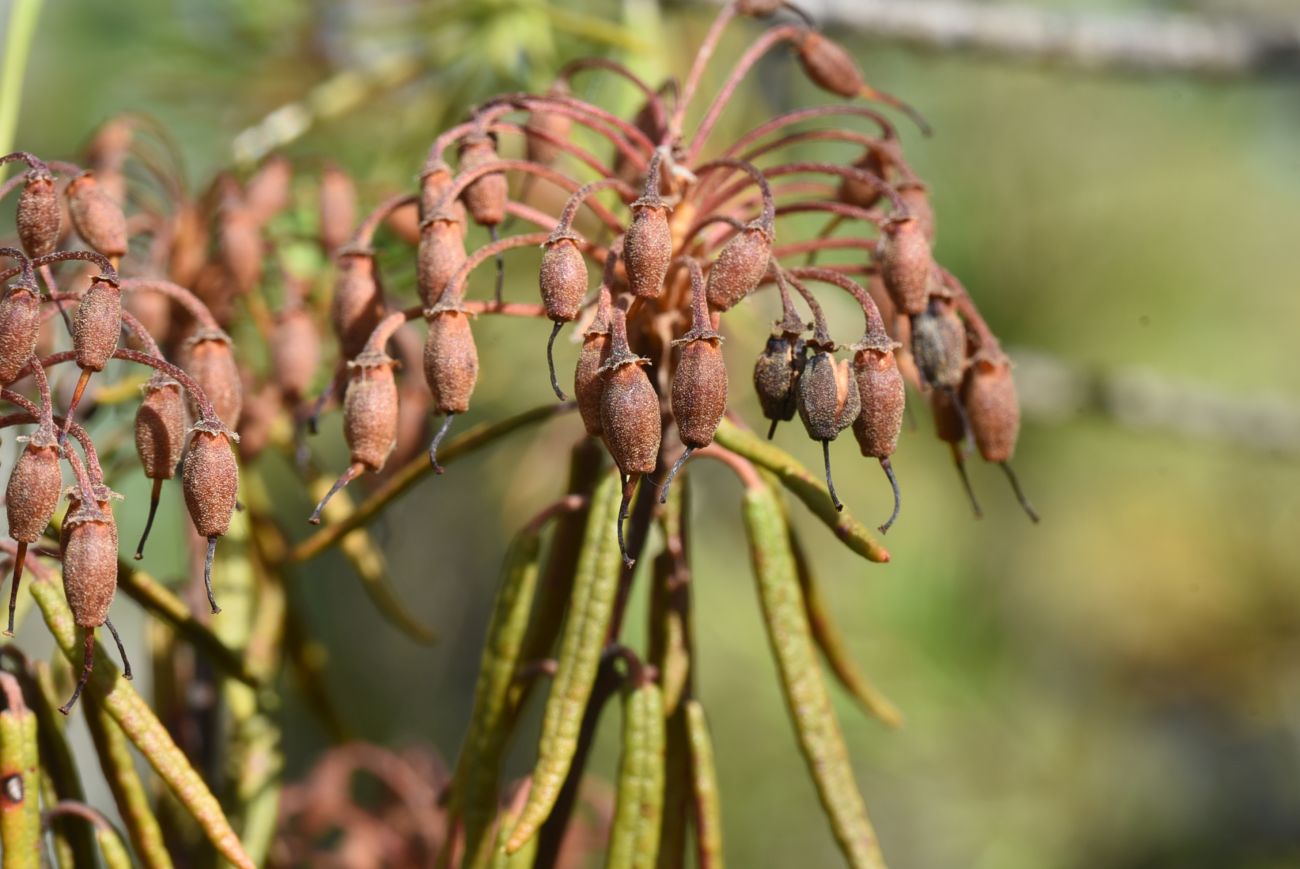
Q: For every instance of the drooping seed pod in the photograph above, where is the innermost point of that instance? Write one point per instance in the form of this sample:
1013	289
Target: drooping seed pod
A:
485	197
210	481
159	439
629	416
588	381
698	394
370	413
262	408
37	221
242	248
295	353
881	396
905	263
31	497
776	377
562	279
99	220
740	265
857	192
884	304
939	344
648	245
20	327
154	311
358	302
994	413
404	221
440	255
97	325
450	368
917	199
90	580
548	124
338	207
950	427
208	356
267	191
434	184
831	68
189	245
828	404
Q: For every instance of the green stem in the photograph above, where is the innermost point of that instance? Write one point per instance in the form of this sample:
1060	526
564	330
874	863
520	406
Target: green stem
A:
18	42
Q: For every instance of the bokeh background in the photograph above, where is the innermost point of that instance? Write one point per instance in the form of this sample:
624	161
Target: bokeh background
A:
1118	686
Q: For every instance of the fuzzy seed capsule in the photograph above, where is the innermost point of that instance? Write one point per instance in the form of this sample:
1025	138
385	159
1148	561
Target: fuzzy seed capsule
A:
160	427
154	311
267	192
261	408
242	249
97	325
948	425
551	124
740	265
338	207
917	199
295	352
562	278
882	396
829	66
993	409
37	221
210	480
99	220
33	490
20	328
905	263
434	184
90	563
358	303
855	191
450	361
939	344
209	358
370	410
629	416
440	255
648	248
699	390
776	377
828	397
486	196
588	382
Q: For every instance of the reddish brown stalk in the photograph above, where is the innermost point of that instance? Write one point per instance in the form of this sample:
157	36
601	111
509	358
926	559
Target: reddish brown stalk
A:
702	57
820	244
574	150
464	179
192	304
366	229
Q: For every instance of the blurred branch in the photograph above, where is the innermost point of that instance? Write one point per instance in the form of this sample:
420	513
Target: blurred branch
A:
1054	390
1145	42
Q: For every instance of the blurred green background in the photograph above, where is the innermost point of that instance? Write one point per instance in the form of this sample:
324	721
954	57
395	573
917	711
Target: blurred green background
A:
1119	686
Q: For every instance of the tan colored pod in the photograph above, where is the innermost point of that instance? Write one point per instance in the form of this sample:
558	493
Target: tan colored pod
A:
450	361
699	391
434	185
859	193
20	328
588	382
358	302
99	220
160	427
648	247
440	255
829	66
338	207
917	198
209	358
370	410
904	259
562	278
882	395
295	352
154	311
97	325
38	217
33	490
552	124
828	397
740	265
90	563
210	480
242	249
629	417
993	408
947	416
939	344
485	197
267	191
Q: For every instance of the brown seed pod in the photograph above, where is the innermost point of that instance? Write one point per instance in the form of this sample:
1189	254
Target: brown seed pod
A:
699	387
450	361
917	199
939	344
154	311
370	410
33	490
404	221
551	124
434	184
440	255
882	395
99	220
90	563
905	263
776	377
884	304
828	65
338	207
295	353
991	404
210	481
20	328
950	427
160	427
267	191
189	245
629	406
358	303
261	410
38	214
209	358
857	192
97	325
828	404
485	197
648	247
562	279
740	265
242	249
588	382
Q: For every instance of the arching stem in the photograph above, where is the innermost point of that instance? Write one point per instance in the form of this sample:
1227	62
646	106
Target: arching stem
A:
354	470
1020	494
672	474
898	501
72	405
495	235
771	430
207	575
154	496
830	483
121	649
550	360
20	558
437	439
960	463
629	489
88	664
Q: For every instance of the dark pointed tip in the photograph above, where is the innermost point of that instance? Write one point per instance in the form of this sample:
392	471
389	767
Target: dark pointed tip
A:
128	676
138	555
66	709
629	563
215	609
313	519
771	430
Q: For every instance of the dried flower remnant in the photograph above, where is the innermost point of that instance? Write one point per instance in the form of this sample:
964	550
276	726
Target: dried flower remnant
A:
210	480
159	440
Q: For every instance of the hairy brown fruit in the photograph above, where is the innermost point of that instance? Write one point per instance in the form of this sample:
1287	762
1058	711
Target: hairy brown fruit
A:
99	220
917	198
358	303
776	377
828	397
882	396
562	278
905	262
629	406
740	265
434	184
295	352
97	325
993	408
338	207
209	358
829	66
588	382
210	480
160	427
450	361
939	344
370	410
267	191
37	220
440	255
485	197
947	417
648	247
154	311
257	421
242	249
699	390
20	328
90	563
33	490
